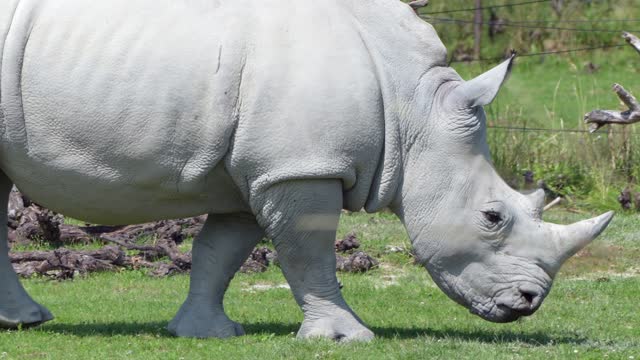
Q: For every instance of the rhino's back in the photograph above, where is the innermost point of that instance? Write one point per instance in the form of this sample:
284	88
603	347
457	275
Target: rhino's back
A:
121	104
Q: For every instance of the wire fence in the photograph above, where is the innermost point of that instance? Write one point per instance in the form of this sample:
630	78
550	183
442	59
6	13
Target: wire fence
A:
543	53
523	26
573	160
553	130
598	21
491	7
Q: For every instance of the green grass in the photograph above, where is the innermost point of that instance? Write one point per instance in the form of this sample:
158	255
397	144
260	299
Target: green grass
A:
592	311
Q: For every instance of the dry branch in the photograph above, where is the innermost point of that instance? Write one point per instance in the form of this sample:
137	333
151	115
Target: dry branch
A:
552	204
599	118
632	40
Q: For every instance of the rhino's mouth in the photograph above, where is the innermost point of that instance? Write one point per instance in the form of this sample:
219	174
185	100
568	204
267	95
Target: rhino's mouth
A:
501	302
497	313
509	305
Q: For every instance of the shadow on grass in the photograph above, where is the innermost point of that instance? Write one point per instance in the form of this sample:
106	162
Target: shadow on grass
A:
158	329
489	336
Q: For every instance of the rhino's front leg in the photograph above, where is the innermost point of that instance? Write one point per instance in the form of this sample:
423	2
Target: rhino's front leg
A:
17	309
301	217
220	249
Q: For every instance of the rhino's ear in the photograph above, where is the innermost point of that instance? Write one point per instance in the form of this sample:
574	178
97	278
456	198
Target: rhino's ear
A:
484	88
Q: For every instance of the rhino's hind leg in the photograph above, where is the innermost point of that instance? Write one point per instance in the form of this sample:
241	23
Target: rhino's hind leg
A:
17	309
302	217
220	249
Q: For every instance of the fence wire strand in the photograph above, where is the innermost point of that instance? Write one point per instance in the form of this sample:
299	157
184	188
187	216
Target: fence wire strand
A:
598	21
557	28
543	53
551	130
490	7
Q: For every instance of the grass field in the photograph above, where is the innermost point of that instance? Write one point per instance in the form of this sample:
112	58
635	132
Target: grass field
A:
592	312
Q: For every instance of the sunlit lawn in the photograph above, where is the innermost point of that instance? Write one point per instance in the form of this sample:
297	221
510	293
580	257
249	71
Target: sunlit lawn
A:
592	311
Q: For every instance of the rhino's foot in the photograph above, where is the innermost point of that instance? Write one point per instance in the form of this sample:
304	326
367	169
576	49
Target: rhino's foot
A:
342	329
201	321
23	315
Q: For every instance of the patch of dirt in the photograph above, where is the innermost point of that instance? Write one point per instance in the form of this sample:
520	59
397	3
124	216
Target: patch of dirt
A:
30	224
350	242
258	261
357	262
265	287
600	259
390	276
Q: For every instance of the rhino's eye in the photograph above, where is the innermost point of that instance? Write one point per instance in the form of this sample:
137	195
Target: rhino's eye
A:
492	216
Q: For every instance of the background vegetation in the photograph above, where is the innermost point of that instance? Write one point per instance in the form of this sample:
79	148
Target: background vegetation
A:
548	95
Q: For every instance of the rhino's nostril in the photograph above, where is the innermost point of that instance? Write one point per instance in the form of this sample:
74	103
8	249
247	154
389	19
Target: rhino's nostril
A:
528	297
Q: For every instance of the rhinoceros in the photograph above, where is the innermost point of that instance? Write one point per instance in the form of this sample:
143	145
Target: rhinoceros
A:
272	117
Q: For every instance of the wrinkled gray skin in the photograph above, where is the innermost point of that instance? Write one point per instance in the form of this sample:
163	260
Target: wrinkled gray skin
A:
271	117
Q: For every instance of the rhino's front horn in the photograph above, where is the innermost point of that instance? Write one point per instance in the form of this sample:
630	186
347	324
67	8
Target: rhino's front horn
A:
483	89
569	239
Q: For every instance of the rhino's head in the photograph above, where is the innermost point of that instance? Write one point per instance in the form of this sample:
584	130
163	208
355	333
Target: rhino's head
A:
484	244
